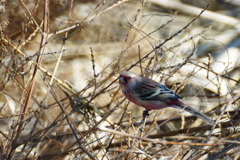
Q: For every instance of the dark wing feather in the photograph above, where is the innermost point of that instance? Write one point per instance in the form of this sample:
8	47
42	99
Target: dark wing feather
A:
152	90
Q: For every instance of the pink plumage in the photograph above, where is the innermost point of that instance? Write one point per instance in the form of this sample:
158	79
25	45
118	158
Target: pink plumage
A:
152	95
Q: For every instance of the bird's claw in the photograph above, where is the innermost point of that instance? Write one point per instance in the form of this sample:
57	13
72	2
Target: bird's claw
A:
137	124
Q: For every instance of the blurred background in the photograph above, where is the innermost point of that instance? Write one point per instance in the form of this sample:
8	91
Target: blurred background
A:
60	62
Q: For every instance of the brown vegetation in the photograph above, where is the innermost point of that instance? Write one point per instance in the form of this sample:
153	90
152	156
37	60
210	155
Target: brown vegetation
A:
60	62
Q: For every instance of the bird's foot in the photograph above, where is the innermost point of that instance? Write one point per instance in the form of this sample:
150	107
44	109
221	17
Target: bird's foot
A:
137	124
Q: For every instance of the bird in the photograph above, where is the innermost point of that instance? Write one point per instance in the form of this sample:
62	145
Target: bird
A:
152	95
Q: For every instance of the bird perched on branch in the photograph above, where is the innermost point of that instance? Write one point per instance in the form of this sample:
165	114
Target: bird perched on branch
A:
152	95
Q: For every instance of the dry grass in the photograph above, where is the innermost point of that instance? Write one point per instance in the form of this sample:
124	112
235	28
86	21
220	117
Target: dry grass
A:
60	62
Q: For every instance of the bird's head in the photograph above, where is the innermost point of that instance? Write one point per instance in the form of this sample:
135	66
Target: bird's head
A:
128	78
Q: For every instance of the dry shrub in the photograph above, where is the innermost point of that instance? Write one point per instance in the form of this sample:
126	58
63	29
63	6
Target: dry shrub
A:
60	98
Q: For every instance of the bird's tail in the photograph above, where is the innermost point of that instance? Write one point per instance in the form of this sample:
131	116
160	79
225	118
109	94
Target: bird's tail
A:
197	114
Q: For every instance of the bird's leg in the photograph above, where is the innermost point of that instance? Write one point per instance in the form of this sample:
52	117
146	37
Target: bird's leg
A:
145	114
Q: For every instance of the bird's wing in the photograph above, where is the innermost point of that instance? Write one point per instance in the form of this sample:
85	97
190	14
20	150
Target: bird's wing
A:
155	91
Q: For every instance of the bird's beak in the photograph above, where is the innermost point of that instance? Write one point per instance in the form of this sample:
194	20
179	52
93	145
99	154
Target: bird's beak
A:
122	80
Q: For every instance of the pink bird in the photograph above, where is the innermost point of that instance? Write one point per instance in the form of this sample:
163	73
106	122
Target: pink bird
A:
152	95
